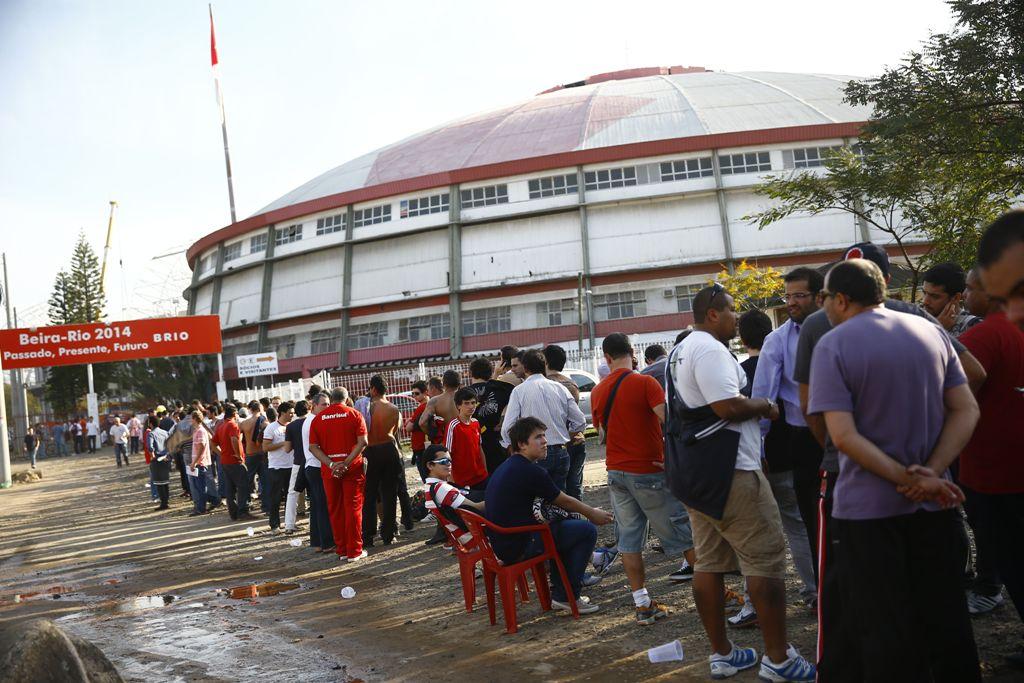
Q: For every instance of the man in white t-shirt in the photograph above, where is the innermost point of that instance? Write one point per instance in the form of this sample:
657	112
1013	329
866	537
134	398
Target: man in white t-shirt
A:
93	431
321	537
119	437
279	462
736	523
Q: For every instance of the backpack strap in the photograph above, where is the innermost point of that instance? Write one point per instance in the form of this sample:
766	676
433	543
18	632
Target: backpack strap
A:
611	399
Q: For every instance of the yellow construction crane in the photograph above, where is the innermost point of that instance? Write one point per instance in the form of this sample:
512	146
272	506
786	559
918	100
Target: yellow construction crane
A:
106	249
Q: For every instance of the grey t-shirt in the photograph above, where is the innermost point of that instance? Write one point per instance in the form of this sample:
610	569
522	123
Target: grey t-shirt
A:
852	372
815	326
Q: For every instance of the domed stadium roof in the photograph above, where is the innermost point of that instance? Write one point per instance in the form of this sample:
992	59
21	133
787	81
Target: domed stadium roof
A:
604	111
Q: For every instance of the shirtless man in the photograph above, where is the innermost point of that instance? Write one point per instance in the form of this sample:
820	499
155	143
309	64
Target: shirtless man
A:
441	409
383	465
506	371
255	457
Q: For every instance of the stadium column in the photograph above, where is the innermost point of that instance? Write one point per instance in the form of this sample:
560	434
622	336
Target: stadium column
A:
454	270
346	286
862	225
585	248
723	214
265	289
218	272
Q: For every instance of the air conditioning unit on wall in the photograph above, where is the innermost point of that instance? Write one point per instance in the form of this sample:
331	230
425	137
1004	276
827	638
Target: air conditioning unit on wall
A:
668	293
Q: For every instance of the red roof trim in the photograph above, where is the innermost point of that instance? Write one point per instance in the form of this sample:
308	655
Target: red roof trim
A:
531	165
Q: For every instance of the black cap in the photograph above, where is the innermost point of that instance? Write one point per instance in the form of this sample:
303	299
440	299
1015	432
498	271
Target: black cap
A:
872	252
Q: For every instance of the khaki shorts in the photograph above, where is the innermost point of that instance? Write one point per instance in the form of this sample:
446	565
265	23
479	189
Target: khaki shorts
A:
749	535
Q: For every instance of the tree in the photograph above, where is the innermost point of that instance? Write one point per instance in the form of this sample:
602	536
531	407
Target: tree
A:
941	155
750	286
77	297
162	380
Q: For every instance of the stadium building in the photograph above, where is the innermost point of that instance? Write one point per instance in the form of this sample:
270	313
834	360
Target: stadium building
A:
475	233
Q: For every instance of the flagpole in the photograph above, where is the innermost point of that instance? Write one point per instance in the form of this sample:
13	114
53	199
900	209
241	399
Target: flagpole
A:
223	116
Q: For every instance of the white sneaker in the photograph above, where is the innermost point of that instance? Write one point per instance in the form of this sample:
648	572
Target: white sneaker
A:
739	659
582	605
983	604
360	556
745	617
795	669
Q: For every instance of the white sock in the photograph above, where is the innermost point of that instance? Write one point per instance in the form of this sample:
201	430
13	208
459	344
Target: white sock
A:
641	598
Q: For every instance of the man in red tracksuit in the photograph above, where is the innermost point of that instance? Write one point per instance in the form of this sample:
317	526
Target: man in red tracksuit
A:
337	438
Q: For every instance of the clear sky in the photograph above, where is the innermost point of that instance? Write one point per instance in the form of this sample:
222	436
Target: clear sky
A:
114	99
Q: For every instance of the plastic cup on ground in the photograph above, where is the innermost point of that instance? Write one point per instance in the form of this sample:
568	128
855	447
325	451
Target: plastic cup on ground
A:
258	558
669	652
250	531
295	542
348	592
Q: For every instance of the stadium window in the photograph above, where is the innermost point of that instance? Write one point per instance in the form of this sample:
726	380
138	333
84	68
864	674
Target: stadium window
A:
329	224
686	169
486	320
231	353
747	162
325	341
371	215
292	233
232	251
559	312
810	157
258	243
204	264
425	328
684	297
420	206
610	177
284	346
620	305
484	196
367	335
552	186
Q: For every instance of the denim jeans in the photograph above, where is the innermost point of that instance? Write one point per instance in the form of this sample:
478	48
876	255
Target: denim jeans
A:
574	540
574	479
557	465
119	452
222	482
642	499
256	463
32	455
203	489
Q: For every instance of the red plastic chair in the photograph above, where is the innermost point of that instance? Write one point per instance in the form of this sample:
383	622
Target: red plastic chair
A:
468	554
508	575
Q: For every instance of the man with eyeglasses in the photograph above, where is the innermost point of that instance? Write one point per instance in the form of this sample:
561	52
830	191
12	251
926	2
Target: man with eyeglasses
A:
838	643
774	380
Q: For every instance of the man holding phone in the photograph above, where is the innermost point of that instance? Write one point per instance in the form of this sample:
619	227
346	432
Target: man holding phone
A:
943	289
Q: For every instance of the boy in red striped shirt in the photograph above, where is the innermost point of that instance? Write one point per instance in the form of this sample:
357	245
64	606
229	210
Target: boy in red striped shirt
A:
462	439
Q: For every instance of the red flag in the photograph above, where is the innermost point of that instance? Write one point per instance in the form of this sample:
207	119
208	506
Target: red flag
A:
213	41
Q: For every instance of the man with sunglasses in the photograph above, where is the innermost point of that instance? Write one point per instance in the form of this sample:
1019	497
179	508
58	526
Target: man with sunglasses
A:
445	498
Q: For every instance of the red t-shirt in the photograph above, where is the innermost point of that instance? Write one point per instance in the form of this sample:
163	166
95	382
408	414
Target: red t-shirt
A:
634	440
145	445
993	460
418	438
463	443
335	430
226	430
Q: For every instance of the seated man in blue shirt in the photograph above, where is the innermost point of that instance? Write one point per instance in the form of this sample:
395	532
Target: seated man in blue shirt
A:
511	491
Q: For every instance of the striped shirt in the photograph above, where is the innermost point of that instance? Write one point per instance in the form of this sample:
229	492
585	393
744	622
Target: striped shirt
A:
446	496
549	402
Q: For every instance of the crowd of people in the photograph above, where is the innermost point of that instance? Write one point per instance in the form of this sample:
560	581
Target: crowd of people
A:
865	434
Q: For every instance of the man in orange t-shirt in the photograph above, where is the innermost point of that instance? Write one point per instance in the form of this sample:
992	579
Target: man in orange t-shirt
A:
337	438
635	459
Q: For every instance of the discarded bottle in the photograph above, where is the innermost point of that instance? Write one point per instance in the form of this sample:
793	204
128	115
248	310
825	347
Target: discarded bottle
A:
348	592
295	542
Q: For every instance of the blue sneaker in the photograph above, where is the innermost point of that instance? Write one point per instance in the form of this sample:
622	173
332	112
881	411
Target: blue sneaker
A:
739	659
795	668
603	559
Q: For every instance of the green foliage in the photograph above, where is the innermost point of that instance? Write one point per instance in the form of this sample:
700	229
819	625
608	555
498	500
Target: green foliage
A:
160	380
942	154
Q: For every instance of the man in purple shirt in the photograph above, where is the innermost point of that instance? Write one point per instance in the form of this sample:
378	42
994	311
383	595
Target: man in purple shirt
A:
897	406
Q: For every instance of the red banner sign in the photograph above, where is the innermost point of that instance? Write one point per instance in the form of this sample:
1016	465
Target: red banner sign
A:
39	347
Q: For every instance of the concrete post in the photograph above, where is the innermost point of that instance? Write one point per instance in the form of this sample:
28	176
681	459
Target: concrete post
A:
723	214
455	269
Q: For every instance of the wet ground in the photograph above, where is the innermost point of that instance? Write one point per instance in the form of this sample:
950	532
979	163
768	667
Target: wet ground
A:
153	590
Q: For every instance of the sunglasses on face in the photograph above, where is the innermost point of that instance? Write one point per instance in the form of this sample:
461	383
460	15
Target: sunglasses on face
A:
415	393
442	461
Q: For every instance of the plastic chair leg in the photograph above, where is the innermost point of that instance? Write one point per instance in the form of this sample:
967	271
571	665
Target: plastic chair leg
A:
568	588
468	583
540	582
508	602
524	589
489	589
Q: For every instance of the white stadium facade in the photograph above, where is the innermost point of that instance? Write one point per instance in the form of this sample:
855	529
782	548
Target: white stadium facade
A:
473	234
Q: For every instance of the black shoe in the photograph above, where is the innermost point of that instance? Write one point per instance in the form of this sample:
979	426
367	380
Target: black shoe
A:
244	516
162	507
195	513
408	524
438	537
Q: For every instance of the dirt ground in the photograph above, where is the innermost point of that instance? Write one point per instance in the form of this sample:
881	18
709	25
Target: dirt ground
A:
84	547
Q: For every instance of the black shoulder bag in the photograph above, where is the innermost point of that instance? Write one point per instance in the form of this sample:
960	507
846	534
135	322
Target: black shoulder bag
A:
602	432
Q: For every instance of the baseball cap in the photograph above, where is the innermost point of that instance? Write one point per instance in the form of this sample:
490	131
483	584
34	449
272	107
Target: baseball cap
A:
160	409
870	251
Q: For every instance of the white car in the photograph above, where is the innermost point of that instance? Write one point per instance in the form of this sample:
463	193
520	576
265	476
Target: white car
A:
585	382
